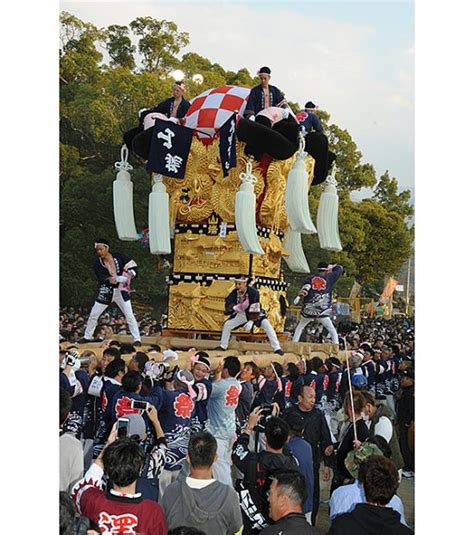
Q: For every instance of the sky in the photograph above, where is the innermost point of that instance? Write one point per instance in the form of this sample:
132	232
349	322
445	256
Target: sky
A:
354	59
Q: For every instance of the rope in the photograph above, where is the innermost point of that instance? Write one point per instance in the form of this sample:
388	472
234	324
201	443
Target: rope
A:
350	388
247	176
123	165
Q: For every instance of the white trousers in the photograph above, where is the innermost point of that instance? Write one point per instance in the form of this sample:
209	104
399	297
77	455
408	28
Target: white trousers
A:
241	319
325	322
125	307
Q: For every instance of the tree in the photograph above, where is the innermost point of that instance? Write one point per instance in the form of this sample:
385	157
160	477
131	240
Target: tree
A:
352	173
387	194
119	46
79	57
159	43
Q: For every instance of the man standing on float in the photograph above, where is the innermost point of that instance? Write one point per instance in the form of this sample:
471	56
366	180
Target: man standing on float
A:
243	306
317	300
114	271
264	95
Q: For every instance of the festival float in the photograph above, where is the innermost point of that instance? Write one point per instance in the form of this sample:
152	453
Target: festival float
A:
229	197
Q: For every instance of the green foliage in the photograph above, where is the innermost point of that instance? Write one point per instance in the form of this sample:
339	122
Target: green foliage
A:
119	46
387	194
159	43
98	102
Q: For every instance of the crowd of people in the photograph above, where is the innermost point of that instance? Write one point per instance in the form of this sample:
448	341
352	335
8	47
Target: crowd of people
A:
72	324
150	447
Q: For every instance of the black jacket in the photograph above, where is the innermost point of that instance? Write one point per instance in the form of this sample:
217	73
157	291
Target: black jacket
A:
291	524
368	519
406	406
316	431
257	469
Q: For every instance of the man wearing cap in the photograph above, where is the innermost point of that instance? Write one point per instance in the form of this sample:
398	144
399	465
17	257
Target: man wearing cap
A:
114	272
317	299
264	95
243	306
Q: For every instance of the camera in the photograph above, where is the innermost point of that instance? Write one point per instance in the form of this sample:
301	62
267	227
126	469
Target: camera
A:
266	413
122	427
140	405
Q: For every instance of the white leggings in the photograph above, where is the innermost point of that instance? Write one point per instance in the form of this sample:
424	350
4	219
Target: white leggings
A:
325	322
125	307
241	319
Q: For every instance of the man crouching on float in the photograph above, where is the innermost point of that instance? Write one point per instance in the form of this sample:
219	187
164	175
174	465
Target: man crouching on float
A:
243	306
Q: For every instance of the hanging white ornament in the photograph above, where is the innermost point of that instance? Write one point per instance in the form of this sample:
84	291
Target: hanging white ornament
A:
296	194
327	219
245	221
296	259
158	217
123	199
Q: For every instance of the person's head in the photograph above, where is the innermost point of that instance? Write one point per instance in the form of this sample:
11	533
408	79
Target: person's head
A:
201	366
292	370
132	382
241	284
231	366
138	361
67	515
359	404
355	359
386	352
276	433
295	424
126	349
407	378
202	450
323	267
249	371
178	89
102	247
306	397
264	76
333	364
359	381
114	343
310	107
123	461
370	406
116	369
287	494
379	477
317	365
108	355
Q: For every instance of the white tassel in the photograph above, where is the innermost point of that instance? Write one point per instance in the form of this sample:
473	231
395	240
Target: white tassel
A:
296	195
327	220
159	218
296	260
245	213
123	199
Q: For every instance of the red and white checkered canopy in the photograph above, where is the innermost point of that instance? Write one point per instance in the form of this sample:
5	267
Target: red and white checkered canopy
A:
212	108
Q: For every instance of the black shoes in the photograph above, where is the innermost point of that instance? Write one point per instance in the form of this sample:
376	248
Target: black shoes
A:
279	352
137	343
220	348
